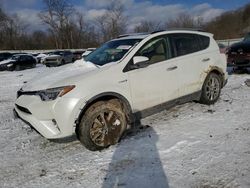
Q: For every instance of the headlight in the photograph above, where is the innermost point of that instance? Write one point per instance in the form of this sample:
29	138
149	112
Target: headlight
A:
53	93
9	65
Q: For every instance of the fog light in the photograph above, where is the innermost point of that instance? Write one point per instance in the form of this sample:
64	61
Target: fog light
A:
55	124
54	121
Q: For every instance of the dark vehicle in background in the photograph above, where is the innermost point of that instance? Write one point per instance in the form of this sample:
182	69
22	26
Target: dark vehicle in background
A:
78	54
239	54
58	58
18	62
223	48
5	55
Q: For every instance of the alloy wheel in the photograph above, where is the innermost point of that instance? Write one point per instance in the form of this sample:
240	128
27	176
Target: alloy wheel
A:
106	128
212	88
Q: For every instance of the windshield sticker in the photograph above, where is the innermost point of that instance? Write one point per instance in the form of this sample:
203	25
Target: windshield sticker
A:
124	47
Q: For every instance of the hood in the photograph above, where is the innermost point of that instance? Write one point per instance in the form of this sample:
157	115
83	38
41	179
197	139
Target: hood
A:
42	56
243	45
7	61
55	77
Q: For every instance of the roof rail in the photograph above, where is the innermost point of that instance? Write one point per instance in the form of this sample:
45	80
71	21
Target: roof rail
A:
188	29
157	31
180	29
131	34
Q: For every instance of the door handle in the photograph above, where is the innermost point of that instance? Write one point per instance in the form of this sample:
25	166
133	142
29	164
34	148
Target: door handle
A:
206	59
172	68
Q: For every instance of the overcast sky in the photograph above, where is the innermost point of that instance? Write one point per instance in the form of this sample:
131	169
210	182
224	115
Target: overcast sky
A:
136	10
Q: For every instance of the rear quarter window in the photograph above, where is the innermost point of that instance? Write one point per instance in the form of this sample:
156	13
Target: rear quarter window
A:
204	42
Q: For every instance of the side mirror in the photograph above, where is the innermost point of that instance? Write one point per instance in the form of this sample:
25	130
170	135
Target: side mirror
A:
140	59
140	62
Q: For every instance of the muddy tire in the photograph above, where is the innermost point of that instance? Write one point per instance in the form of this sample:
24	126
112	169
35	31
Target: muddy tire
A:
211	89
102	125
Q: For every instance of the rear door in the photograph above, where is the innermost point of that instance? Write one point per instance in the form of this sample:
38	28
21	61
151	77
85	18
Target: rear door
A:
192	59
22	61
68	56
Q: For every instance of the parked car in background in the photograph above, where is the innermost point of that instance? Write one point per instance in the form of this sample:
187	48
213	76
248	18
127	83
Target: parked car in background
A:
127	78
223	48
239	54
18	62
58	58
78	54
40	57
5	55
87	52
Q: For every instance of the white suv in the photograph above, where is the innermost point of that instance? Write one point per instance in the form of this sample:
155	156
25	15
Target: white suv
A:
126	79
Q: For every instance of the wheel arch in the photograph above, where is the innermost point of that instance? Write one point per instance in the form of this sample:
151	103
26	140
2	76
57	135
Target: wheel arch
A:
219	72
105	97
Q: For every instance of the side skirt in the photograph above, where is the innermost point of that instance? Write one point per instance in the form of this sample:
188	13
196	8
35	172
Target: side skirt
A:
167	105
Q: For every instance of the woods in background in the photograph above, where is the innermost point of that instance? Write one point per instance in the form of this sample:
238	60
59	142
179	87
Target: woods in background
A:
67	27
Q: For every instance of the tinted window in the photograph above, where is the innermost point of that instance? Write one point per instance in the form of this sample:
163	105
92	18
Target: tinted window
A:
111	51
29	58
204	41
185	43
156	50
23	58
15	57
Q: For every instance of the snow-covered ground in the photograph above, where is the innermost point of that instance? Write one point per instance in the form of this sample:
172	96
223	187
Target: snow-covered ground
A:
191	145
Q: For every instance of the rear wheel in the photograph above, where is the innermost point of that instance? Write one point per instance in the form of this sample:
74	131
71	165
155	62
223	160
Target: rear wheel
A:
102	125
211	89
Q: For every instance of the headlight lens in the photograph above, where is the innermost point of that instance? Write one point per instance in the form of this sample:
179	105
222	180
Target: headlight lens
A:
10	65
52	94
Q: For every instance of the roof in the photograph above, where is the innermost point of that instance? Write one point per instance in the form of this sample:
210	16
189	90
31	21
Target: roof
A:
172	30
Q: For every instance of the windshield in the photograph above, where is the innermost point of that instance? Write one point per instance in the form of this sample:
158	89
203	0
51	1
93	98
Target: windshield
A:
15	57
111	51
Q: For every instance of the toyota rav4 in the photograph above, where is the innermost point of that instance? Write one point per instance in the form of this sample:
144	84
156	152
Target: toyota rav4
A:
126	79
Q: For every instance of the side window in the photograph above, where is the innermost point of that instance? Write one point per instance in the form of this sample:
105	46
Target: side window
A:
67	53
29	58
204	42
22	58
185	44
156	50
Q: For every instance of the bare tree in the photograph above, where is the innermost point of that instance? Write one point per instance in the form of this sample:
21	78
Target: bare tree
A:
57	15
114	22
13	31
185	21
231	24
148	26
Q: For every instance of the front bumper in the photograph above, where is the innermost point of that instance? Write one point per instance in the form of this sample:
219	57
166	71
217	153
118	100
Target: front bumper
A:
4	67
52	62
52	119
239	61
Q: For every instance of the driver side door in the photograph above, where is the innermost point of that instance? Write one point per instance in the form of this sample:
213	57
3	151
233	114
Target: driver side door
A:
157	81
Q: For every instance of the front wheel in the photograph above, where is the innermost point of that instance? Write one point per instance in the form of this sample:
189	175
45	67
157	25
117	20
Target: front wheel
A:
211	89
17	68
102	125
